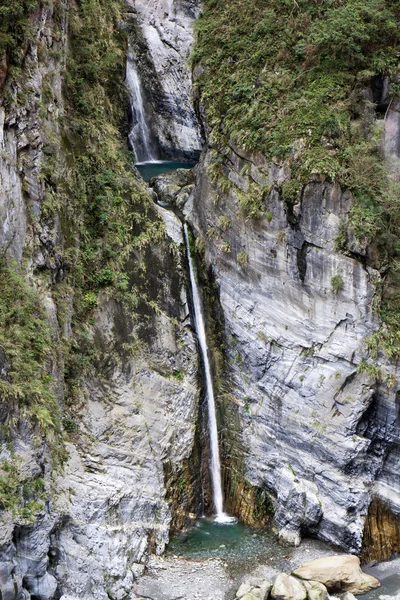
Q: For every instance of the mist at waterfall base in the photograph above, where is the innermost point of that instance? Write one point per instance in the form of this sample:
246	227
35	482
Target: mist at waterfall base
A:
148	170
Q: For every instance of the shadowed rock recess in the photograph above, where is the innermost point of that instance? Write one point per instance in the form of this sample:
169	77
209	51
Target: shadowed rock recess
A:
103	443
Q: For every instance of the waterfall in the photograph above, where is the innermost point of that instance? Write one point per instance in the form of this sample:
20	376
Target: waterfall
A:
139	136
212	419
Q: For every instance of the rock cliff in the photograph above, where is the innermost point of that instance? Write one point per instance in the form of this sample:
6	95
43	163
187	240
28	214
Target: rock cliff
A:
316	426
99	459
82	524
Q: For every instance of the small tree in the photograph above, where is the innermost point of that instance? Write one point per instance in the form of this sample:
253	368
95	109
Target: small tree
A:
337	283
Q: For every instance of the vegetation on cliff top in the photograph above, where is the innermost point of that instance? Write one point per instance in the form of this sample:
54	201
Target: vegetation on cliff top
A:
283	71
299	81
15	25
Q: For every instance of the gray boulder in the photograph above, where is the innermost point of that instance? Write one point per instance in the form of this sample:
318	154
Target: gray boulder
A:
247	591
338	573
287	587
348	596
316	590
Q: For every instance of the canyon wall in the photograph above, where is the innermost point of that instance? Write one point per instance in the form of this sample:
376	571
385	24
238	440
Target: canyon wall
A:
309	419
317	428
90	502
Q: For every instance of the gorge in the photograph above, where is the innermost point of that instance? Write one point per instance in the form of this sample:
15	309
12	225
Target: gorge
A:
105	435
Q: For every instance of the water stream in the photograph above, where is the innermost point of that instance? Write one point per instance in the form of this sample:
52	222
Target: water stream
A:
149	166
218	496
139	136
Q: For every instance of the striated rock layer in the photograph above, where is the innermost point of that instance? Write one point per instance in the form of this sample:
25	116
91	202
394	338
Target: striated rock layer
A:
315	428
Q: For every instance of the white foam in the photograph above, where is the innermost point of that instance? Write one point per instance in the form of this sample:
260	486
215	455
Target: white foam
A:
224	519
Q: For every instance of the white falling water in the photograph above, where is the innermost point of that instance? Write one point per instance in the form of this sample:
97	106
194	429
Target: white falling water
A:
139	135
212	419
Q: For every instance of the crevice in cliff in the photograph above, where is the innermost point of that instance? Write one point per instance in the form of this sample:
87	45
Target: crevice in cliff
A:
381	537
302	261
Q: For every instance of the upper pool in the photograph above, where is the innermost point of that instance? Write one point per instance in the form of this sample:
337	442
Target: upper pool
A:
152	169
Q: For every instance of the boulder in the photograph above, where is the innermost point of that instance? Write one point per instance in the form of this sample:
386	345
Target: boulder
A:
338	573
287	587
244	589
289	537
315	590
348	596
42	588
264	590
247	591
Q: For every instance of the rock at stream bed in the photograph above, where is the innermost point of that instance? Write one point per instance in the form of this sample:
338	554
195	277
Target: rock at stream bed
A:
247	591
287	587
348	596
316	590
338	573
244	589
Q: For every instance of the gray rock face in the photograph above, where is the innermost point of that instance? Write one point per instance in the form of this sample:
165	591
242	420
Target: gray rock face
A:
137	419
111	503
294	346
12	210
160	46
392	134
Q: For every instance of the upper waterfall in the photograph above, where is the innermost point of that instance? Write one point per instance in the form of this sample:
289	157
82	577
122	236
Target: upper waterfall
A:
140	135
162	36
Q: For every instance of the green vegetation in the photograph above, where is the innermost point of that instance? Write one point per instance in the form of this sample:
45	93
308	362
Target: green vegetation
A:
178	374
288	79
337	283
116	216
69	424
108	224
15	26
9	485
226	247
243	259
286	71
24	500
26	346
224	222
372	370
107	216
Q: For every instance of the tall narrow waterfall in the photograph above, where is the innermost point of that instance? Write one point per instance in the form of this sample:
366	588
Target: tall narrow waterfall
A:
212	419
139	136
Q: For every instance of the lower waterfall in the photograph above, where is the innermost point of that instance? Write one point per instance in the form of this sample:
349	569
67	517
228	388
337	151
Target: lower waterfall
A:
218	496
